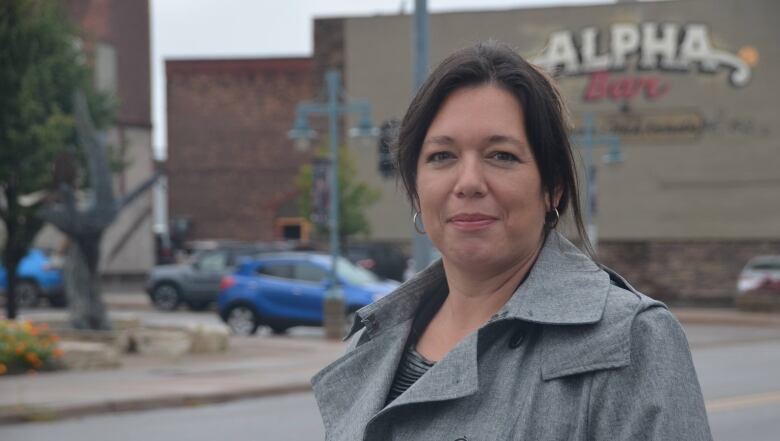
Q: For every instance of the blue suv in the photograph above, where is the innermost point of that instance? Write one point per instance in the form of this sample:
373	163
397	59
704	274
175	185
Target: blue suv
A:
283	290
38	276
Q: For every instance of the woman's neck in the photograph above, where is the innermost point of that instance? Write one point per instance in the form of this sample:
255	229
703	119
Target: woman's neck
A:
474	297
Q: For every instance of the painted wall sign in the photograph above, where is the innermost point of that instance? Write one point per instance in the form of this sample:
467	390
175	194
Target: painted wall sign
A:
678	126
658	46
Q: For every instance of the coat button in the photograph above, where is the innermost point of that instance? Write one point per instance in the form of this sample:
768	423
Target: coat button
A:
517	338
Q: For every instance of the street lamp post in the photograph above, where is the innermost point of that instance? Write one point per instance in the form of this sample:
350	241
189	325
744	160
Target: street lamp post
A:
334	308
422	251
588	140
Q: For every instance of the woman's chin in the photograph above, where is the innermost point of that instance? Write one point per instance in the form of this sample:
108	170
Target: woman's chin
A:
471	255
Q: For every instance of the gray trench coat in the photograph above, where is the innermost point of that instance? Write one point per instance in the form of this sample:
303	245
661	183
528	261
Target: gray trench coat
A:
575	354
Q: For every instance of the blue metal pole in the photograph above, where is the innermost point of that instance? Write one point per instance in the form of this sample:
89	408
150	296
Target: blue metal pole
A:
334	86
420	42
421	244
590	141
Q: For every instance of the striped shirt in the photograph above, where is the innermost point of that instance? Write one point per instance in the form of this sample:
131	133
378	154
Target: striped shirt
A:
412	367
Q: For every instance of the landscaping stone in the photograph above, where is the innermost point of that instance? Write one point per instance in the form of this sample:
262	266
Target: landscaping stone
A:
85	355
165	342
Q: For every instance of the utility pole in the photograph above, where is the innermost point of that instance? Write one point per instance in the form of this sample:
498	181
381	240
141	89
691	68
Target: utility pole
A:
334	308
421	244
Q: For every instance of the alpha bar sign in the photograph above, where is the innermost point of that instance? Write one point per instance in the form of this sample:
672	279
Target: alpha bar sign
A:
663	47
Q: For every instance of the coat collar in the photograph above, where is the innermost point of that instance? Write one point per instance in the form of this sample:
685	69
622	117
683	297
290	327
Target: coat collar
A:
564	287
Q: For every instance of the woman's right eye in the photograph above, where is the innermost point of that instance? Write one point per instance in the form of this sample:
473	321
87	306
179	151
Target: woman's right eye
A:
439	156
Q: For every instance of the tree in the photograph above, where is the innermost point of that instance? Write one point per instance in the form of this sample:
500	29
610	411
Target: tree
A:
354	196
40	68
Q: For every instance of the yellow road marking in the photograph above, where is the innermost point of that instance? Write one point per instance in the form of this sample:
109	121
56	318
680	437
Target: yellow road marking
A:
741	401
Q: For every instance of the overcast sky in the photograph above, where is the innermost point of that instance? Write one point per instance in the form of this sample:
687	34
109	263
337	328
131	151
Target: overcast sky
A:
266	28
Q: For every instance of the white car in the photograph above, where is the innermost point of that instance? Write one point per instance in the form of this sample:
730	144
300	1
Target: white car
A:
760	272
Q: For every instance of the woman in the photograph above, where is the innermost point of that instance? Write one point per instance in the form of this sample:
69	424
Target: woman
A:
514	333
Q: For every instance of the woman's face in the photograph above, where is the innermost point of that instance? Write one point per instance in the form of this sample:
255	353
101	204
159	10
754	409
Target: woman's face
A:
479	188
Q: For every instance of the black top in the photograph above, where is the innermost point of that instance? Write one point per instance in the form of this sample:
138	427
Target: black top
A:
413	365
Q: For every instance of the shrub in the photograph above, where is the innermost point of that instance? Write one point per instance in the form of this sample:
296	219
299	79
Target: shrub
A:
25	347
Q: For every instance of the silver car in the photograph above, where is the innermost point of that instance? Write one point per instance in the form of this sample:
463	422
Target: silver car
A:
196	281
760	272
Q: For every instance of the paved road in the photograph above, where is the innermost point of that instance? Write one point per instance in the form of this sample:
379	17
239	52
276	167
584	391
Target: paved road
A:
737	368
284	418
738	371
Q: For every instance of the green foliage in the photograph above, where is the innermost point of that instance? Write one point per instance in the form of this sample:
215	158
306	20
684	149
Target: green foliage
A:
354	196
41	66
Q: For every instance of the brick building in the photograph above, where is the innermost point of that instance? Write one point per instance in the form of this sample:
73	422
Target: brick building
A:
231	169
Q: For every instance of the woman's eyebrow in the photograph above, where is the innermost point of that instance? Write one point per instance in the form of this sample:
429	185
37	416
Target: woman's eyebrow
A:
505	139
442	140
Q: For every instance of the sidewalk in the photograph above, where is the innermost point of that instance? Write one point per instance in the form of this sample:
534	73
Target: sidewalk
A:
252	367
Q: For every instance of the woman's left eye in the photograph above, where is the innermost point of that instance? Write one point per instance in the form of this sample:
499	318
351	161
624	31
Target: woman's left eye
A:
504	157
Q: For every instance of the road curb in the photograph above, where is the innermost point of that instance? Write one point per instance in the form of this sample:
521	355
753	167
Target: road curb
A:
727	318
34	414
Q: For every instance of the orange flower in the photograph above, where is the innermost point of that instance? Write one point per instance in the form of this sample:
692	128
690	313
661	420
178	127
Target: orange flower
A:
20	348
3	369
58	353
43	327
53	338
33	359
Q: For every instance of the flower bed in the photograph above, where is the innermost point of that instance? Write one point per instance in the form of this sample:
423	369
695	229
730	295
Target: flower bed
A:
25	347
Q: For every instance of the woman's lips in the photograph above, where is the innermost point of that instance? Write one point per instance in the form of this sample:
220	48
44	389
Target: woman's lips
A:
472	222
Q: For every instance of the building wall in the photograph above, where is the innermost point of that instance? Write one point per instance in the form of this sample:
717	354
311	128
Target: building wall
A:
699	174
115	40
230	165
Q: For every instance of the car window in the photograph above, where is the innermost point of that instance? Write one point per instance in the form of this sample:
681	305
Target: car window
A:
354	274
213	261
309	272
236	256
277	269
766	266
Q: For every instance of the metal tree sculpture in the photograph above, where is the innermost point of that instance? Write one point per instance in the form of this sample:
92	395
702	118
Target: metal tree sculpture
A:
84	226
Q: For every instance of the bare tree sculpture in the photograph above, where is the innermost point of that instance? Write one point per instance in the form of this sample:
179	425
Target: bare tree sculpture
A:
84	226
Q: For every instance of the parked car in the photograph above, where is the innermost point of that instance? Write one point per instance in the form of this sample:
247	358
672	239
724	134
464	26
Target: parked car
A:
283	290
196	281
385	260
761	272
39	276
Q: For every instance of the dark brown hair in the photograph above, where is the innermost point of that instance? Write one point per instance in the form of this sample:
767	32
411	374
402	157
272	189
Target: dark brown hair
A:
544	115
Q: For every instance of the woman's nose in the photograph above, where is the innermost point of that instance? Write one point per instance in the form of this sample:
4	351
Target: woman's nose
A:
471	179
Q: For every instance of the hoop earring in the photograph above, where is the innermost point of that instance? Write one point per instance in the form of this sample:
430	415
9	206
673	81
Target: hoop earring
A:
419	229
552	223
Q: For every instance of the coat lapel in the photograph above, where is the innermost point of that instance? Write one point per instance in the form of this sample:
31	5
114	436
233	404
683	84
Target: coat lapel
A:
354	388
454	376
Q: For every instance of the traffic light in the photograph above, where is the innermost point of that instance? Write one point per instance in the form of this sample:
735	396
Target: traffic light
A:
388	134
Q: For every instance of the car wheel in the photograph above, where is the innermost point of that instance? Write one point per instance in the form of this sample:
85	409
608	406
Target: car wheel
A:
242	320
279	330
27	293
166	297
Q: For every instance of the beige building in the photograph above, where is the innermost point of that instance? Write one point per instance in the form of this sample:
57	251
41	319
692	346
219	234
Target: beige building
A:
689	87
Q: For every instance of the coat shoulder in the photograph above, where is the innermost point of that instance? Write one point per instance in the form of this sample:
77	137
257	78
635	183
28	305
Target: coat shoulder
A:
606	344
